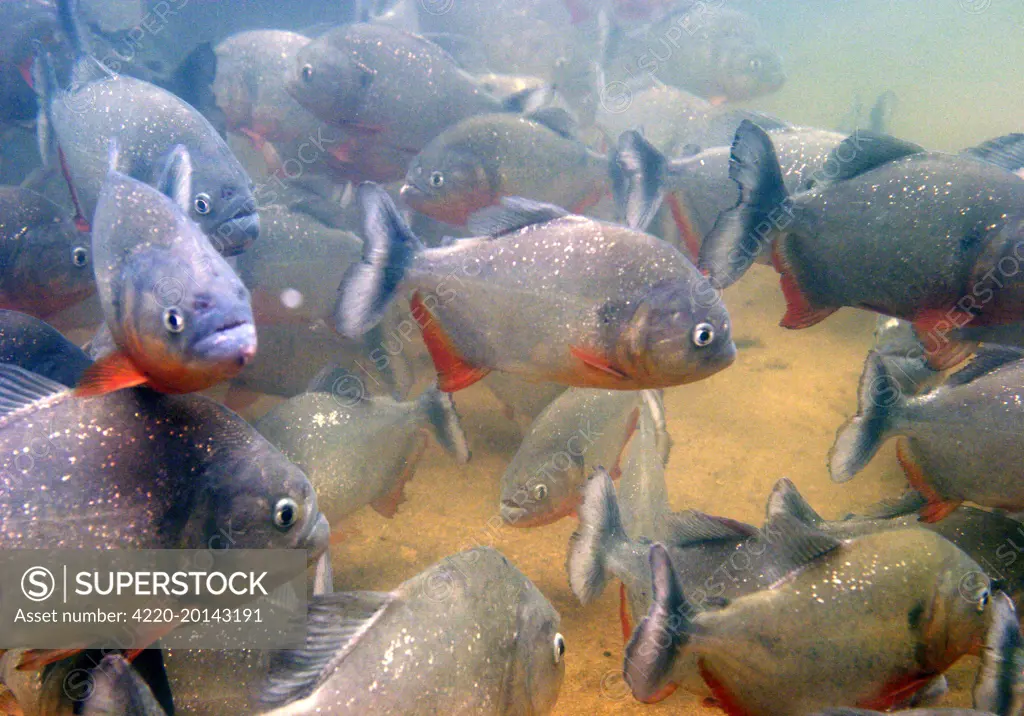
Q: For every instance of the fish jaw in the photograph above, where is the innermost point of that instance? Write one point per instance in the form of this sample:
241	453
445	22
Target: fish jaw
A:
454	210
234	342
317	539
234	235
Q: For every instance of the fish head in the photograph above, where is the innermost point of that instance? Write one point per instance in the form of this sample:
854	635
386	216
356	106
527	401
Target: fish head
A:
748	71
58	263
223	201
962	625
185	317
329	82
261	500
679	333
542	489
449	181
539	660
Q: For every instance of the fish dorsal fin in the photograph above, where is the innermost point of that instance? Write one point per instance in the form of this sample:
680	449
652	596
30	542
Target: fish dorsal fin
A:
514	213
1006	152
986	359
335	624
338	381
21	389
795	544
175	178
786	499
864	150
556	119
765	121
693	527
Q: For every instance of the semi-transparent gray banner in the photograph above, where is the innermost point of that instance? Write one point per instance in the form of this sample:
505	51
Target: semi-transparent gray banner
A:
124	599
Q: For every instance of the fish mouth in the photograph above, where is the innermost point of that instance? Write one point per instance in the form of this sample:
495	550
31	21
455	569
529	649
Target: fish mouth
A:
412	193
234	341
235	234
317	538
514	515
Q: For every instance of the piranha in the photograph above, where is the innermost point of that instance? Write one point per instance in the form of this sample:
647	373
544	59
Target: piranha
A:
543	294
959	440
476	635
865	622
137	469
45	263
581	430
391	90
928	237
473	164
180	318
999	687
76	126
359	450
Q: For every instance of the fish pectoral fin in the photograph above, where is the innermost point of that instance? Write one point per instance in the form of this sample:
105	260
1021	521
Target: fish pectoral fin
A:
932	327
624	620
387	504
110	373
800	312
936	506
266	149
335	624
453	372
596	362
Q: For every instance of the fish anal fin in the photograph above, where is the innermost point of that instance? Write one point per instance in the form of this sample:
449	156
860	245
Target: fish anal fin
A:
453	373
726	701
596	362
800	312
896	692
110	373
936	507
932	327
387	504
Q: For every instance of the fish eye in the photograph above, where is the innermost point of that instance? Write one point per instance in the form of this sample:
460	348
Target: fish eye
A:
80	256
539	492
703	334
174	320
559	645
756	65
286	513
436	179
307	73
202	204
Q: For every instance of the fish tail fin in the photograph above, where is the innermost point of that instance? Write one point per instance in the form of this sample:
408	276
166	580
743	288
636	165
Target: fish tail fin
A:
439	409
879	399
661	635
67	16
369	285
637	171
998	685
599	532
747	229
